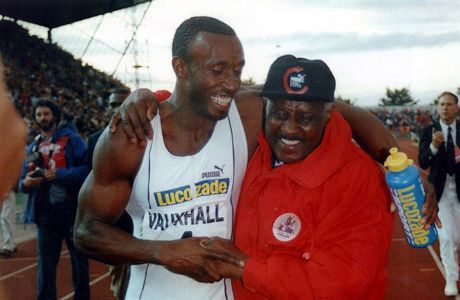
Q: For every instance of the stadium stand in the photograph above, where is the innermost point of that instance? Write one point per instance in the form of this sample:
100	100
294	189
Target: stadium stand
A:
36	70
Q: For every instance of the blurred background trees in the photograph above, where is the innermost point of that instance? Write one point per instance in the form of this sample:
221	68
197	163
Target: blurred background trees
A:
397	97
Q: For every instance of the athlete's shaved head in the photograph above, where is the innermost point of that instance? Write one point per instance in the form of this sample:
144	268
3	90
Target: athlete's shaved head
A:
187	31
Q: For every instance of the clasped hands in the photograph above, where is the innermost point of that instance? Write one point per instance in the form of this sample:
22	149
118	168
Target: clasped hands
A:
205	259
228	260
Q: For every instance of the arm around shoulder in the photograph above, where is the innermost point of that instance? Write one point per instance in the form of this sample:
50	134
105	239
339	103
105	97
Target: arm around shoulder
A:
368	131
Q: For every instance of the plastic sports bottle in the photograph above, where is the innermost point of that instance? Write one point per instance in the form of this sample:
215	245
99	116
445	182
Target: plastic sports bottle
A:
406	187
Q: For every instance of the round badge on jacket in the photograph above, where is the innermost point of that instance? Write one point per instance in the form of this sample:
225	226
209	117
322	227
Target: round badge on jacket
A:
286	227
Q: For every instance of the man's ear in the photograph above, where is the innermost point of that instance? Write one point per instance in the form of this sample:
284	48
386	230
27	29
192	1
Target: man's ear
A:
180	67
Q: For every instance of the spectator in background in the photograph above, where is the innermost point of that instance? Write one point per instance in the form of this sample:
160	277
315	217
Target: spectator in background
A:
439	151
52	176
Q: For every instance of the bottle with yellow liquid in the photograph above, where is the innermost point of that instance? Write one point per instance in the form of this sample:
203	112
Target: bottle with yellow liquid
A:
406	187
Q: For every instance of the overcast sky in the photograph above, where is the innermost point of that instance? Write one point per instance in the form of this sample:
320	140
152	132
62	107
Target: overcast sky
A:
369	45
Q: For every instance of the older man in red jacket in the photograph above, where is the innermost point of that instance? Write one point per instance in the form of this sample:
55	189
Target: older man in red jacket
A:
313	219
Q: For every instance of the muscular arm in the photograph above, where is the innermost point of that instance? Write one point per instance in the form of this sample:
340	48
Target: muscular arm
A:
102	199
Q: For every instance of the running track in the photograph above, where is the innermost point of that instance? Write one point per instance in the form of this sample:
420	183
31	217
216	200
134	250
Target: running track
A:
413	273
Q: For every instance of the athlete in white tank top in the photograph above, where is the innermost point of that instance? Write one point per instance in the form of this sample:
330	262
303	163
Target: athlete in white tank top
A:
175	197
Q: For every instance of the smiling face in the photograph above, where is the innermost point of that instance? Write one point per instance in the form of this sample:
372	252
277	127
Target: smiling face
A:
214	73
294	128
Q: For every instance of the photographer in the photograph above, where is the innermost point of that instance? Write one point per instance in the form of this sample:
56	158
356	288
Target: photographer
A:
55	168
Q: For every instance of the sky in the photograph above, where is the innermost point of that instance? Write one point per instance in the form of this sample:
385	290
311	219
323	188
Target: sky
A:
369	45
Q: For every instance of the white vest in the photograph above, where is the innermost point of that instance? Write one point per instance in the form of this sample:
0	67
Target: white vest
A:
175	196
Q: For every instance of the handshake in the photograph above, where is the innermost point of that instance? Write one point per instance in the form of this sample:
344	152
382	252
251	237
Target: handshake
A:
203	259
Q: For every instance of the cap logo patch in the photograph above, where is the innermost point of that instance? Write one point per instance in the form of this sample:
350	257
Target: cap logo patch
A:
294	81
286	227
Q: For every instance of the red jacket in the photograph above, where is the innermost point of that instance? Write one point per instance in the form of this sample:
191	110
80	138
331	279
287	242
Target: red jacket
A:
316	229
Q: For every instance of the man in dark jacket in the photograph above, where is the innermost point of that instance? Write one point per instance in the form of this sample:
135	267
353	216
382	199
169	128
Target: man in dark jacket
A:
439	151
55	168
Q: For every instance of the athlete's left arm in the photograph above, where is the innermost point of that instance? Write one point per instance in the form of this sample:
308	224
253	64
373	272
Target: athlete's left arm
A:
376	140
368	131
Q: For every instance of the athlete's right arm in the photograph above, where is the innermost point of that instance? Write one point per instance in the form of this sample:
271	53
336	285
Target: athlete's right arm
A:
102	199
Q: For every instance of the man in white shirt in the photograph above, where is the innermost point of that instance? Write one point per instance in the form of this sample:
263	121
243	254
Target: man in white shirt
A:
440	152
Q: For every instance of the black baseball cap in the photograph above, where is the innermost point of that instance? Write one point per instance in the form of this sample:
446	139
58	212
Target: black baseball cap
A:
299	79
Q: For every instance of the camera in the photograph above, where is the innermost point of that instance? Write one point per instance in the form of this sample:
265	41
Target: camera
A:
35	160
39	172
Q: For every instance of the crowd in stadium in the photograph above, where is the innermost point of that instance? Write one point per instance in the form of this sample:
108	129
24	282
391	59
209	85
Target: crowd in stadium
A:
407	122
37	70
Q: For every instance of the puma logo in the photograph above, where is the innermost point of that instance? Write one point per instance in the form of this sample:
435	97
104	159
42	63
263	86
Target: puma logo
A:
220	169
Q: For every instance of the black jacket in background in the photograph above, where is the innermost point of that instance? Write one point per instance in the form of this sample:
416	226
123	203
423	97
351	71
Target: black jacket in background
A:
437	163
